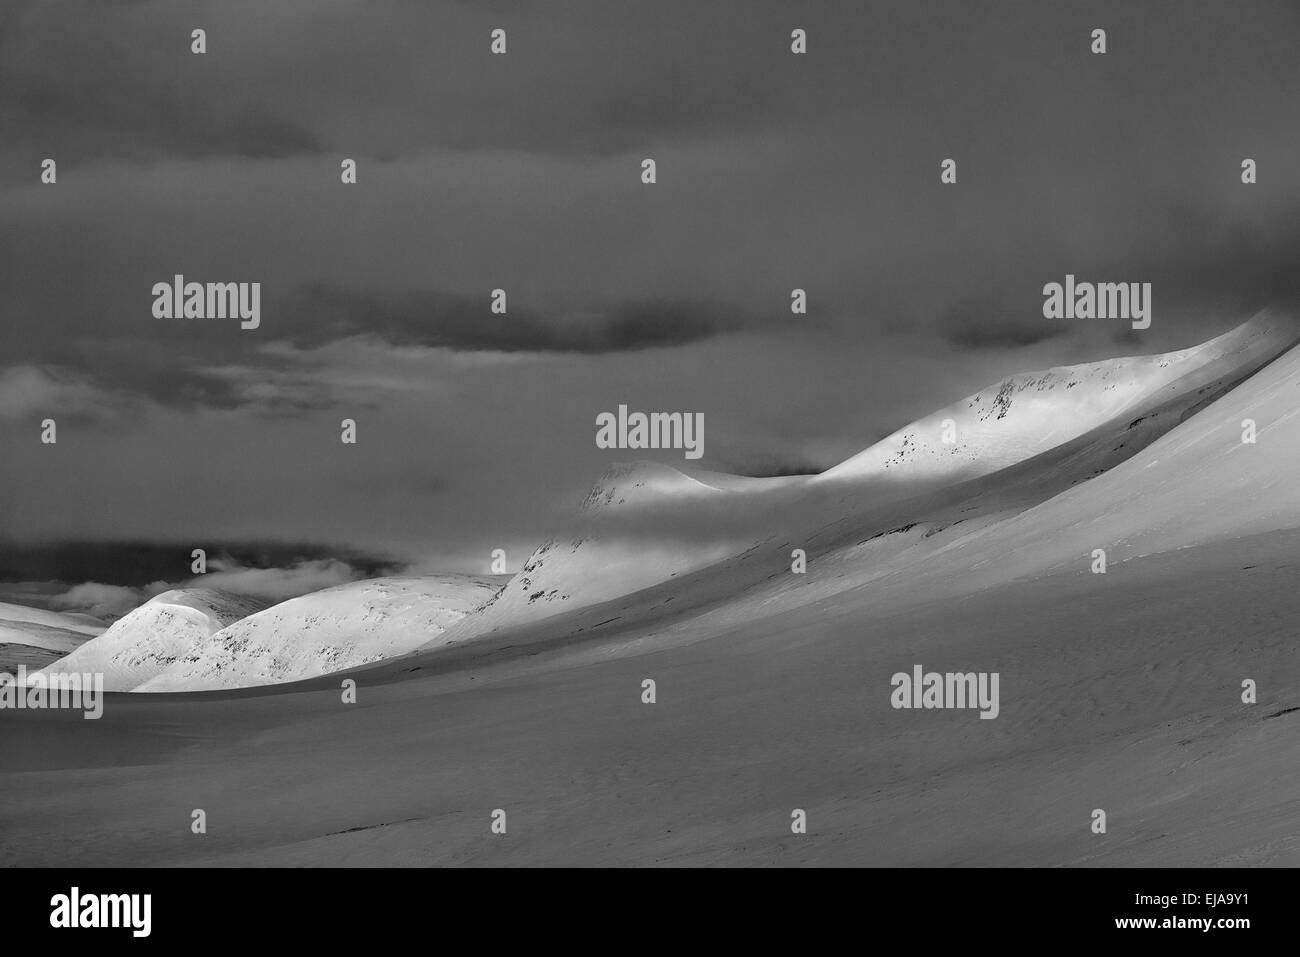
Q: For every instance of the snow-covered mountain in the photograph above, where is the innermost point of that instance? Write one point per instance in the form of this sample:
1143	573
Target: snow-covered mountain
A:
1038	433
1201	482
144	642
325	631
1028	413
1020	445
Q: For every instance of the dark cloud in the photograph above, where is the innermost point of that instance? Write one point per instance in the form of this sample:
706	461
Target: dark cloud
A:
91	379
109	602
323	313
775	172
192	364
391	78
772	465
119	79
1207	275
988	324
1227	266
396	78
138	564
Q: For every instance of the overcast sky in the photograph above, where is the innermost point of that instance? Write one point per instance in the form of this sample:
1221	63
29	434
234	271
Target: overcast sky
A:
522	171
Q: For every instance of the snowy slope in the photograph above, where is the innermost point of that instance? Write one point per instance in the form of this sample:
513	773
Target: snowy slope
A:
1197	484
622	540
1193	484
144	642
326	631
1029	413
645	523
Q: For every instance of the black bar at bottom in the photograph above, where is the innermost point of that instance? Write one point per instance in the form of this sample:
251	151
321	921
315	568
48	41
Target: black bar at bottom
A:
303	907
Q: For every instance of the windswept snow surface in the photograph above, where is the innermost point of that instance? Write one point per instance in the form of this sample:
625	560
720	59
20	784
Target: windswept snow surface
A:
326	631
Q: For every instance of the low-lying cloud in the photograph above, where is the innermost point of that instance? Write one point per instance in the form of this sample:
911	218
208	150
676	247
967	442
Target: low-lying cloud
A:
276	584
